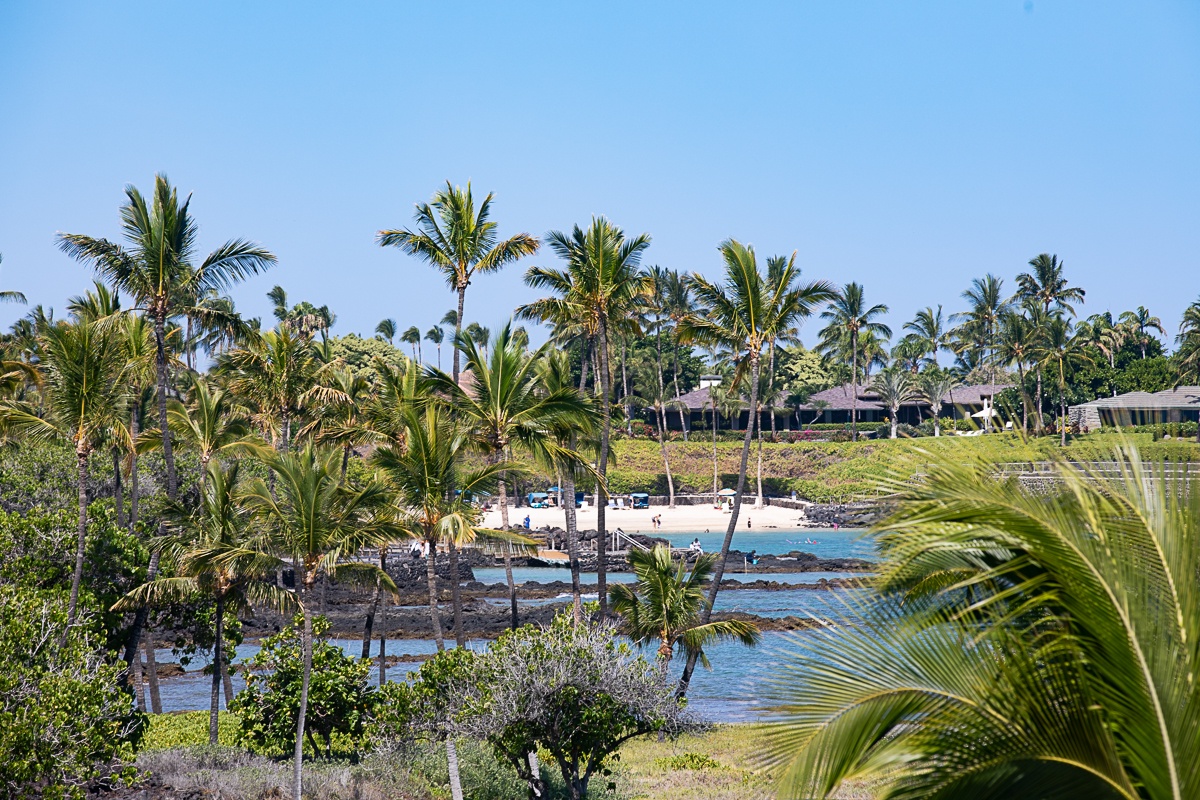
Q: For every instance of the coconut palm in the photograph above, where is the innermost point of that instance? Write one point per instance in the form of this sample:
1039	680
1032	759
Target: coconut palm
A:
315	524
744	314
1020	645
664	606
436	336
849	320
84	397
1062	351
600	289
212	549
894	387
209	423
980	324
506	411
934	385
274	373
459	242
156	268
387	329
678	300
10	296
1140	323
1047	286
928	329
412	337
1017	346
654	395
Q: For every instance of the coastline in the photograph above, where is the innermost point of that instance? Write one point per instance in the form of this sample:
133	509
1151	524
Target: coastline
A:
681	519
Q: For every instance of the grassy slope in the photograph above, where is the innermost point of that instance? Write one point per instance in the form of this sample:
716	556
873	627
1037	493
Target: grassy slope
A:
824	471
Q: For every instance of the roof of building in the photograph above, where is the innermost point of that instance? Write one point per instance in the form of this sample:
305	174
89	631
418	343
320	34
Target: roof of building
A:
839	397
1179	397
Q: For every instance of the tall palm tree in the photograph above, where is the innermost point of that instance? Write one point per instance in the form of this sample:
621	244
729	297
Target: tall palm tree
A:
934	385
928	328
10	296
478	334
213	552
981	322
1047	286
1016	346
412	337
744	314
156	268
1063	351
1187	343
209	423
315	524
895	387
679	303
83	402
459	242
1019	645
436	336
275	373
1141	322
600	288
506	410
849	319
387	329
664	606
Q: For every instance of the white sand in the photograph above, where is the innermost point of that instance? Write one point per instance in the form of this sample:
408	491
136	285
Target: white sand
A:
684	519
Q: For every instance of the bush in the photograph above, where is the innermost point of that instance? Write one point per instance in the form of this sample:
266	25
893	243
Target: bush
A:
906	431
64	723
687	761
189	729
339	699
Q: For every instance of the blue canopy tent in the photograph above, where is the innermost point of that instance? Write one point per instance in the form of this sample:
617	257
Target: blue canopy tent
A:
639	500
538	500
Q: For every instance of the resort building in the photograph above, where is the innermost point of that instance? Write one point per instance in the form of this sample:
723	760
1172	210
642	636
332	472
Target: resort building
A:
828	406
1181	404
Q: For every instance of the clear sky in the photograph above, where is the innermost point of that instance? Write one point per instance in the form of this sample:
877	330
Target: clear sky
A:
908	146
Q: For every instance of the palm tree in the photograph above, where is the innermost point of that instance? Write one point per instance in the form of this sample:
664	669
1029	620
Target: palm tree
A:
156	267
412	337
1141	322
387	329
849	319
679	302
478	334
1020	645
1046	285
459	242
744	314
1064	351
894	387
506	410
1017	345
274	373
928	329
10	296
600	289
981	323
934	385
664	606
213	551
436	336
1100	332
315	524
1187	343
654	395
84	395
209	423
430	477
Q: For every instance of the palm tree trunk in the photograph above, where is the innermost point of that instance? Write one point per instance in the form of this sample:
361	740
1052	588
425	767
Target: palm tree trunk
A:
160	359
568	483
306	645
139	688
758	502
770	401
462	296
369	623
625	390
134	429
585	359
1037	419
1024	400
456	792
214	708
727	543
118	488
854	386
382	610
683	422
662	446
152	676
431	576
81	541
228	683
716	480
508	573
602	468
460	637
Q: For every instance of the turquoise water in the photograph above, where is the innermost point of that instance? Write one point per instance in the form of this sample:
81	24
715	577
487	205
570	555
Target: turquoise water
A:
547	574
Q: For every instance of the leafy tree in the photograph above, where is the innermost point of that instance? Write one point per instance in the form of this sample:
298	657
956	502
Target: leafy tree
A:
1020	645
745	314
663	607
849	320
363	356
459	242
65	724
339	700
600	289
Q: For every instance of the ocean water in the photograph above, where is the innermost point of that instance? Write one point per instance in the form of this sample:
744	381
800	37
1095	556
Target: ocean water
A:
730	692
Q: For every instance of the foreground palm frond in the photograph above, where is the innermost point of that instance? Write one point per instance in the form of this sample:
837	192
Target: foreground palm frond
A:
1017	645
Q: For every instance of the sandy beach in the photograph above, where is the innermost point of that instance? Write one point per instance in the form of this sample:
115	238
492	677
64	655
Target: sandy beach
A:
682	519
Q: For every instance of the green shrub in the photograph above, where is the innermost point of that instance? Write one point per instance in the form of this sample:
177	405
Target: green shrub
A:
687	761
189	729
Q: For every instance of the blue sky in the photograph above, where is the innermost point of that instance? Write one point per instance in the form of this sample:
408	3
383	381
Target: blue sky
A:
910	147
